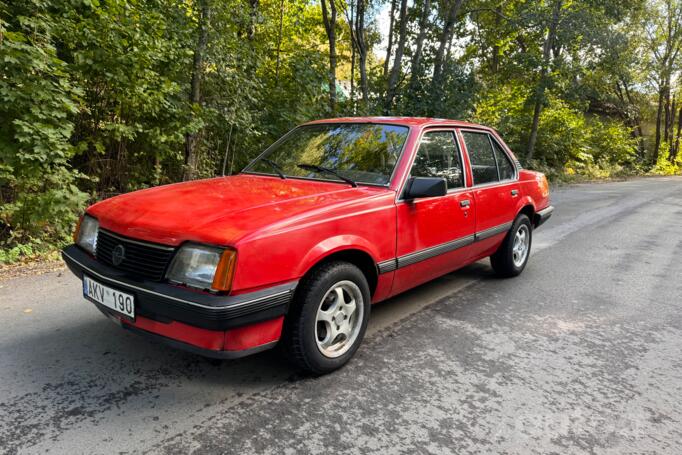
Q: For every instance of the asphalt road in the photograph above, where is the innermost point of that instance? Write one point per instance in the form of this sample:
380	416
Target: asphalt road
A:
580	354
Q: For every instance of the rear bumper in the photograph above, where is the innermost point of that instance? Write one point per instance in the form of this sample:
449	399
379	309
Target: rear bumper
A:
543	215
211	325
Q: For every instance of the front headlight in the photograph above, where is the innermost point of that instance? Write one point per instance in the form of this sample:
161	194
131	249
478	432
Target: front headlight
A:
86	234
203	267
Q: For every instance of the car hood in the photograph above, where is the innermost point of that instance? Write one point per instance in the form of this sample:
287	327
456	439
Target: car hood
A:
221	210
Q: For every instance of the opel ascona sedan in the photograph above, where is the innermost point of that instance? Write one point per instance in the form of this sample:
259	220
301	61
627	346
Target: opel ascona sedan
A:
333	217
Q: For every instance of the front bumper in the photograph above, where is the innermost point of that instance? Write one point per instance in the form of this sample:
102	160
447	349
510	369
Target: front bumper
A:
195	321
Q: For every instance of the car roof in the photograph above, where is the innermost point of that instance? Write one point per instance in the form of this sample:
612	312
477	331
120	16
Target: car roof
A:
406	121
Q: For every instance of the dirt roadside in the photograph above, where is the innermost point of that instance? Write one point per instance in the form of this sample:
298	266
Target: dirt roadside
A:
32	267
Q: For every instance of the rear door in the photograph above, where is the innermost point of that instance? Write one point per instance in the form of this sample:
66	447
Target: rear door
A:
435	234
495	188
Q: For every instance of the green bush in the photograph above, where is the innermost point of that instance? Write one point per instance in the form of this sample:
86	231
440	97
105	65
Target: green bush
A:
663	165
39	198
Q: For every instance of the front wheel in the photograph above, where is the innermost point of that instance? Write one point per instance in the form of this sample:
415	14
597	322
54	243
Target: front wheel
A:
328	318
512	256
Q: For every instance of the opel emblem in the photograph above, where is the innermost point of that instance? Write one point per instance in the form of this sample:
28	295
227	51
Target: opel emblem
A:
118	255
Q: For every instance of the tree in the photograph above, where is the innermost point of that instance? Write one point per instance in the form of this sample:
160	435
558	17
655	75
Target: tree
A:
547	46
389	45
395	70
664	29
416	68
195	85
450	10
676	147
361	43
329	18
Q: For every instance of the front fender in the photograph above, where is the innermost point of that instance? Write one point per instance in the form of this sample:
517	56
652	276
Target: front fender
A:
333	245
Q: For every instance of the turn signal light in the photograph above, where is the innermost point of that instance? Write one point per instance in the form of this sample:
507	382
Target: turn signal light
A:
222	280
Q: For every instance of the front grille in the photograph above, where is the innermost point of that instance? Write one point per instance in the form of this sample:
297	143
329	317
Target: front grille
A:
142	259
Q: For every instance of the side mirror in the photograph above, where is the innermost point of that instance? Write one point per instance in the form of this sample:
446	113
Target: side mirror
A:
418	187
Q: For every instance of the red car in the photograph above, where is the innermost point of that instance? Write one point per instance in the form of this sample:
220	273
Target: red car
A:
336	215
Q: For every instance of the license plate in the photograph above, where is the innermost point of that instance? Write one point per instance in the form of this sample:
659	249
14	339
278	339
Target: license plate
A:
111	298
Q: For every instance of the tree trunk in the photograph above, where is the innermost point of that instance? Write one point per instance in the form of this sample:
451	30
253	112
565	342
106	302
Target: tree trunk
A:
350	19
495	57
676	148
389	45
417	57
352	76
542	84
667	124
659	114
395	70
444	40
638	118
195	86
671	120
329	18
362	52
633	121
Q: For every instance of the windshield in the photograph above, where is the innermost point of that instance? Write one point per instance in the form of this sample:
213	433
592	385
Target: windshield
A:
356	152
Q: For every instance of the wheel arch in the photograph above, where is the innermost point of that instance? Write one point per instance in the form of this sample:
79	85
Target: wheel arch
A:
529	210
354	253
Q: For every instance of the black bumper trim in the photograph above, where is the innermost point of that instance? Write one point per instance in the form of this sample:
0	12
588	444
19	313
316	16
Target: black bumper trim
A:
543	215
213	354
387	266
493	231
164	302
428	253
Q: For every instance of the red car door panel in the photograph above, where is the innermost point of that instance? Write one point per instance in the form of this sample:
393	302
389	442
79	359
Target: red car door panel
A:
434	234
496	189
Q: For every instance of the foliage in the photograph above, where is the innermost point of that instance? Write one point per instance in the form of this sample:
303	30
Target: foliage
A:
663	165
38	102
100	97
569	142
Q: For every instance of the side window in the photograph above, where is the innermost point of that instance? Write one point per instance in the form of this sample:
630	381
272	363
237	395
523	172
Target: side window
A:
503	163
438	156
482	157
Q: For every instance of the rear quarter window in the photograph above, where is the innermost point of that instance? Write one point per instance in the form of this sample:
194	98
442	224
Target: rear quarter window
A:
504	164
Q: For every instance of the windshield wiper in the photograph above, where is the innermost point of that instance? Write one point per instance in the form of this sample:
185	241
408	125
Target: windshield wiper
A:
275	166
315	167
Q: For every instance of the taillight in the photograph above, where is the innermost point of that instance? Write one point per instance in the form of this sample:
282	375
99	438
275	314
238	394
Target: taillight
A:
544	186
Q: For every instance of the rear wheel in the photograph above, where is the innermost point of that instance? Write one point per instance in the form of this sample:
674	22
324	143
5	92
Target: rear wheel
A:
512	256
328	318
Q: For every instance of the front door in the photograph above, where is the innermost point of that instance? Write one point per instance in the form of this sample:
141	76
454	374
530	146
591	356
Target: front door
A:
435	234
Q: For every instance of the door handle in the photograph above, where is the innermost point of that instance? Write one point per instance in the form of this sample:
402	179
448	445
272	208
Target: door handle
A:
464	203
514	192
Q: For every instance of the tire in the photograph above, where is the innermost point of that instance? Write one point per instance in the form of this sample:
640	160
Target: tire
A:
508	261
310	341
